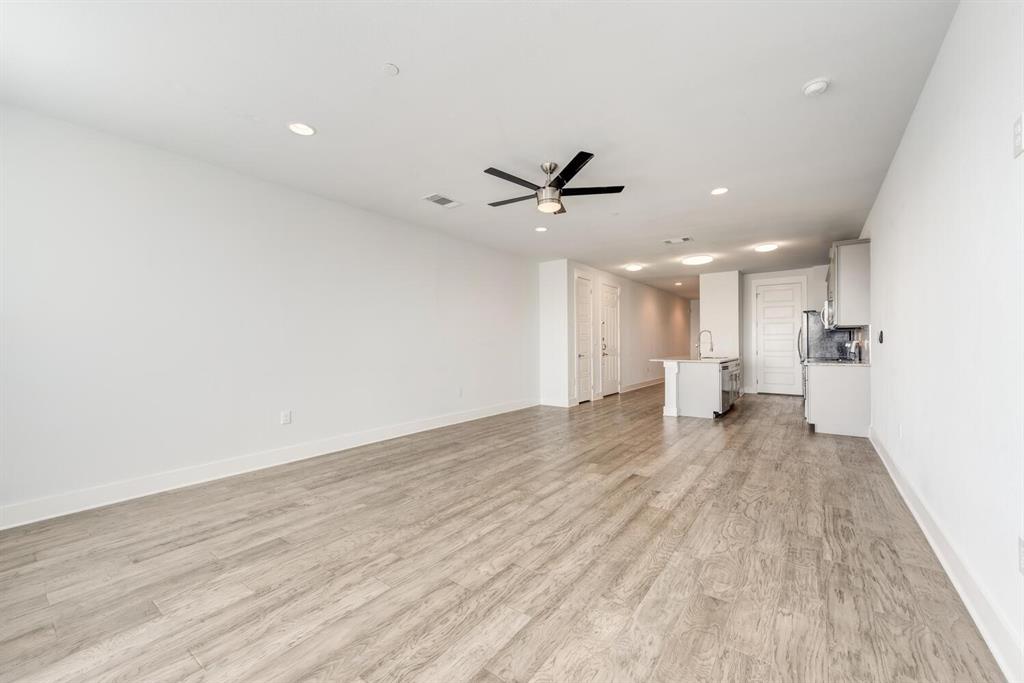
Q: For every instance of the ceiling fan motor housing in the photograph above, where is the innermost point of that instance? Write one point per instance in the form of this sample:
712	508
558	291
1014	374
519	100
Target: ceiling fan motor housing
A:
548	193
548	199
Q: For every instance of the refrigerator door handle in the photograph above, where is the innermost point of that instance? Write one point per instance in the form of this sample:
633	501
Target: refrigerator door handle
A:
800	344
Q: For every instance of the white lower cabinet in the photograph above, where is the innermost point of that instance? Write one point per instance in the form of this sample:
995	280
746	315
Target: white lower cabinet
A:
839	398
700	388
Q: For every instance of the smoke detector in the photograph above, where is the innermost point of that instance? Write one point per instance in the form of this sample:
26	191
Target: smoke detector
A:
441	200
816	86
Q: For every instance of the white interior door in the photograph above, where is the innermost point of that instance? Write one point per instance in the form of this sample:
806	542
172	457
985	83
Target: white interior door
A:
584	339
609	339
778	322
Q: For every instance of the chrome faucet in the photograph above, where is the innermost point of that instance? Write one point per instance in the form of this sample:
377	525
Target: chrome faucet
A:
854	349
711	342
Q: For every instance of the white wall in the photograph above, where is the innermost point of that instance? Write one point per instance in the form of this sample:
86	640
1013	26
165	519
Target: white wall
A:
555	327
652	323
160	312
814	297
946	256
721	312
694	324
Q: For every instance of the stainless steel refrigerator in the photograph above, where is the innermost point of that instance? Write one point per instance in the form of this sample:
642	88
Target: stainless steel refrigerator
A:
814	342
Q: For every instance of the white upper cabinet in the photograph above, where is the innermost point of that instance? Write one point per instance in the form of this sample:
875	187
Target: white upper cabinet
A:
849	283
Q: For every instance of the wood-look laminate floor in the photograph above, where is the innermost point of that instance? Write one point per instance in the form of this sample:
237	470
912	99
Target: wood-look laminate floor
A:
602	543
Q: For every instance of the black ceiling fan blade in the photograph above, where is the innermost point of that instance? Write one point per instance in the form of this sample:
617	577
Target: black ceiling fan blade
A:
561	209
576	191
503	202
571	169
511	178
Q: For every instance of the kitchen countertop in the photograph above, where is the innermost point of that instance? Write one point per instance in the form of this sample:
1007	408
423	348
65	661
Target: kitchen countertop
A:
852	364
682	359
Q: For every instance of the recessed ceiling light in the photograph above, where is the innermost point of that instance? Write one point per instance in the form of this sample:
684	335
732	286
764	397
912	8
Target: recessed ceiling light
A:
816	86
301	129
679	284
698	260
389	69
766	247
540	228
633	267
719	190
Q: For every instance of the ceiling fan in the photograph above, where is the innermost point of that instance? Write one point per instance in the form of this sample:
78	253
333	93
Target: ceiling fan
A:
549	197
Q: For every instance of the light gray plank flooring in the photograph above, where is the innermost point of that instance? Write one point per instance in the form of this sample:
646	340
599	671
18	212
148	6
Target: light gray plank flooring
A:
600	543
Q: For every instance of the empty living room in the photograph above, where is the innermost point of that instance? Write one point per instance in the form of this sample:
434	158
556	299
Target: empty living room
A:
506	342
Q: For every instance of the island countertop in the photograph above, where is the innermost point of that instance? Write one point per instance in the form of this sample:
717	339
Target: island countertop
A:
682	359
844	363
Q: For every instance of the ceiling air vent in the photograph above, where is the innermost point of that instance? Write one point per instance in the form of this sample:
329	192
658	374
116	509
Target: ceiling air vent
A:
678	240
441	200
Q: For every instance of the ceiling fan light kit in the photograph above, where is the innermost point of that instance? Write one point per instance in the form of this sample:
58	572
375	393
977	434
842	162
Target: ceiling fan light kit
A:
548	200
549	197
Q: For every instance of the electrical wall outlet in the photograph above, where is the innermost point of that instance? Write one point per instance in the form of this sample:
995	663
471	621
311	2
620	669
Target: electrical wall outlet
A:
286	417
1018	136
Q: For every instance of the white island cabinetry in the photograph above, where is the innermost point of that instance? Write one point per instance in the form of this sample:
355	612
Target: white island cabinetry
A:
700	388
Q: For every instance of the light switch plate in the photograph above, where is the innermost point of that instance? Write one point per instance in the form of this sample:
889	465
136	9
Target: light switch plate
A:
1018	136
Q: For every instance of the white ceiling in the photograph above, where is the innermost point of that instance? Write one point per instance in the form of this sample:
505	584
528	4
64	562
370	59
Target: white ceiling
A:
673	99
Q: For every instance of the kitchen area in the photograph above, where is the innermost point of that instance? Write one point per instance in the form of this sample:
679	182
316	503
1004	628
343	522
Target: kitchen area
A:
821	341
709	380
834	346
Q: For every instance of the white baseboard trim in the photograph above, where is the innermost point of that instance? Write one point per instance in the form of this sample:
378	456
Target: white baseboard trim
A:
38	509
641	385
1006	644
557	403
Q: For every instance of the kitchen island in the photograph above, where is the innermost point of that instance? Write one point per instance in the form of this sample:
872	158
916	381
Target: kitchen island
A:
703	387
